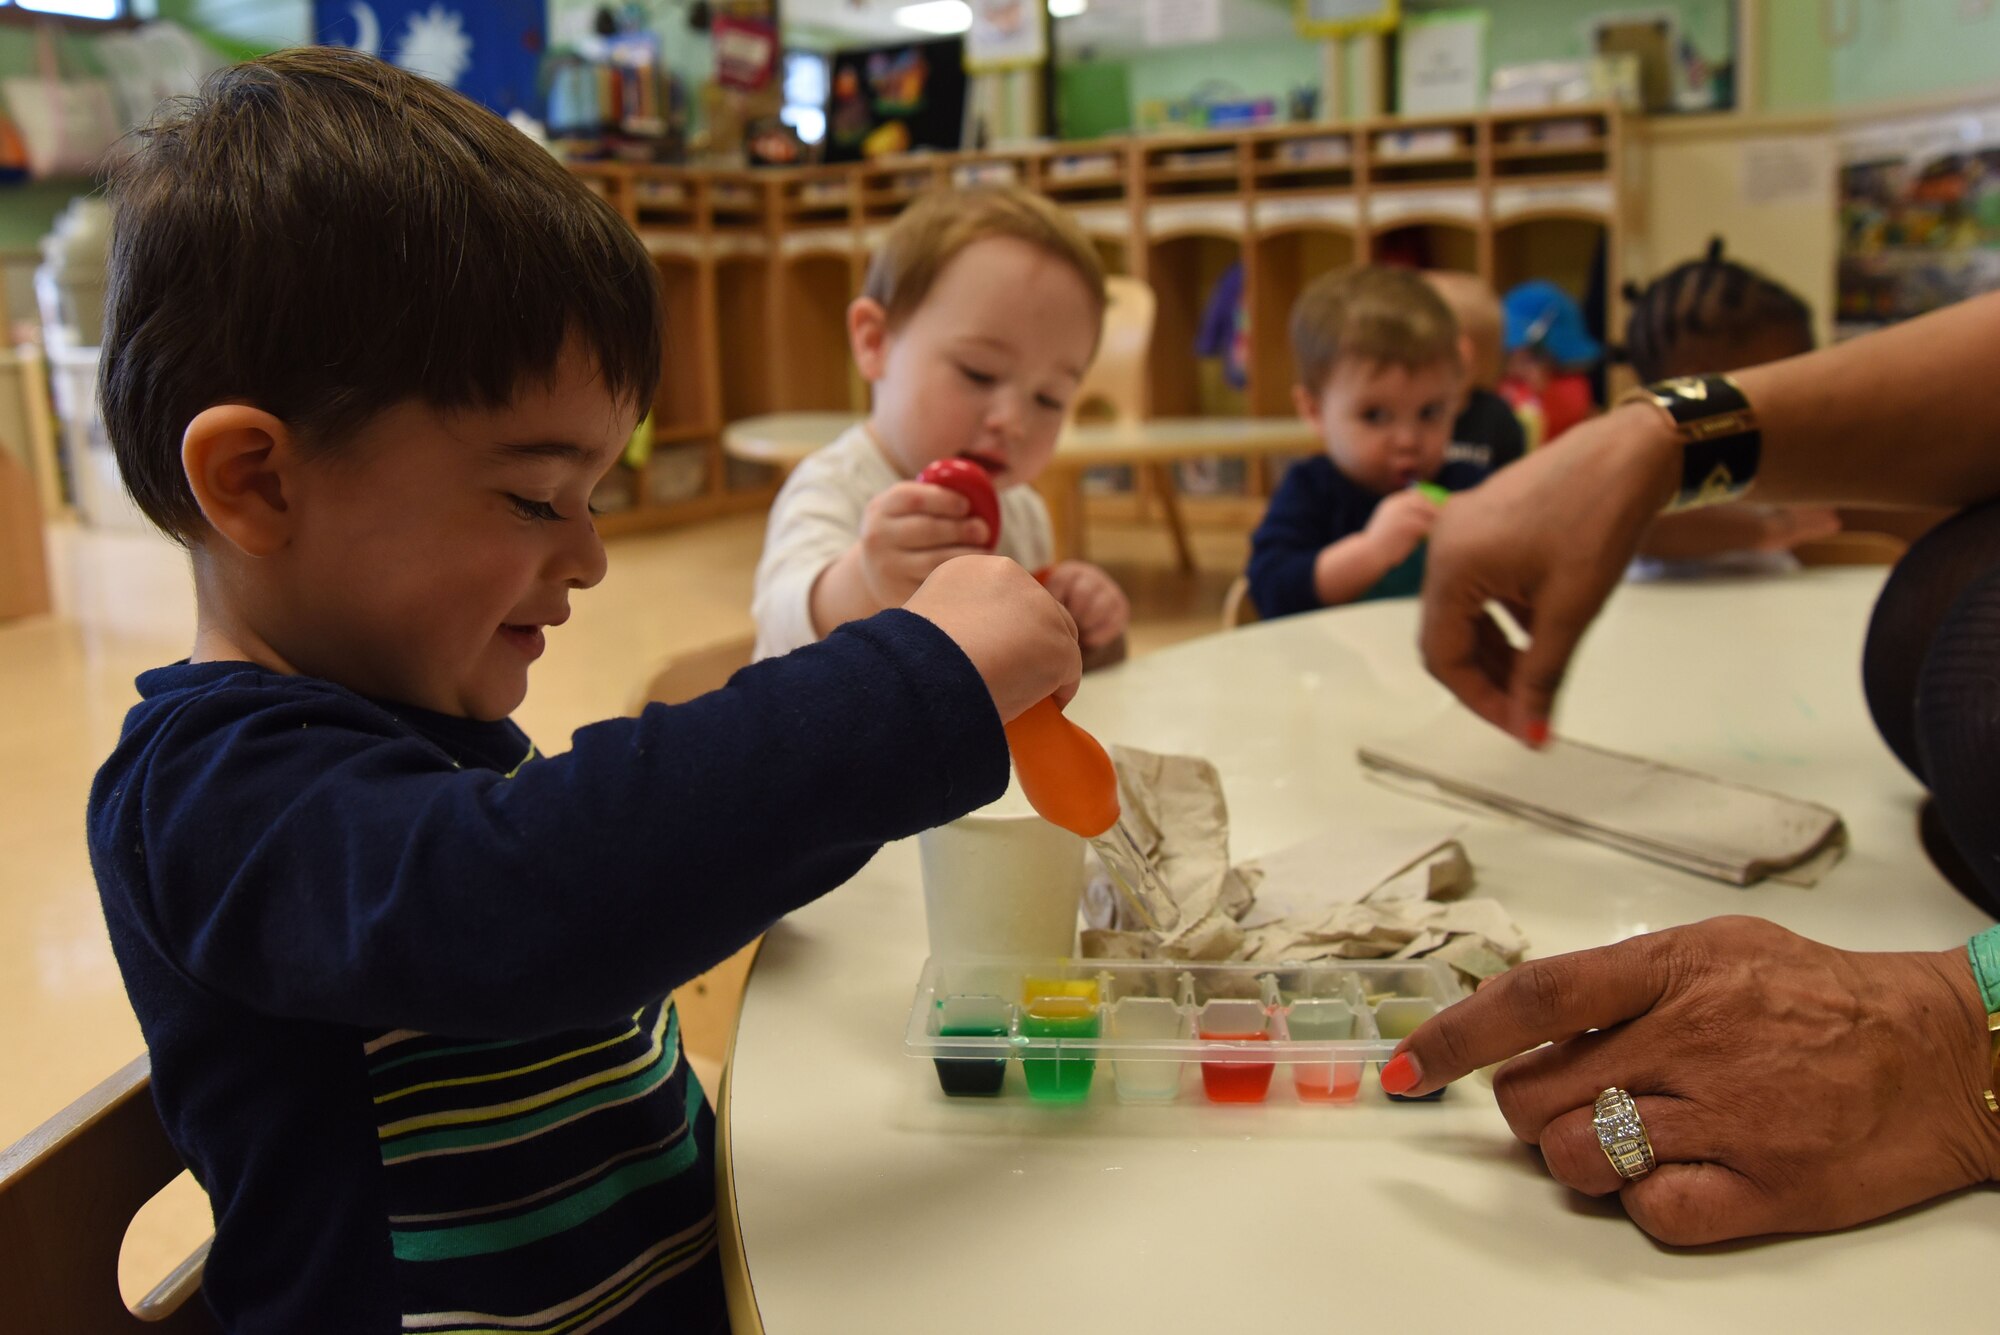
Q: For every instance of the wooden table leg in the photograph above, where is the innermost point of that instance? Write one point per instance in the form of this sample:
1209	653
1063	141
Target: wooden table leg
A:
1062	489
24	574
1170	502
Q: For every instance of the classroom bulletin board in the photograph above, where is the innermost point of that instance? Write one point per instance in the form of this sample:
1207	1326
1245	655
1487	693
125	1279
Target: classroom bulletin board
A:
1919	216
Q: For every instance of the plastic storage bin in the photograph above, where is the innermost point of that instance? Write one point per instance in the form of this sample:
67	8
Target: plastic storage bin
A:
1158	1031
94	481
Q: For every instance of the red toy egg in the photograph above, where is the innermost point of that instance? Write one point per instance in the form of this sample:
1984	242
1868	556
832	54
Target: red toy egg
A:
969	480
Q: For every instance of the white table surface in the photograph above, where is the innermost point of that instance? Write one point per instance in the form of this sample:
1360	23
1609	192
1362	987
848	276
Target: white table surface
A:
870	1202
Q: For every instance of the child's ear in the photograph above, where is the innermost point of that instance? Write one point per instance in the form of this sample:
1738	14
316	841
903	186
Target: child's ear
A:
1468	364
868	337
1307	404
238	461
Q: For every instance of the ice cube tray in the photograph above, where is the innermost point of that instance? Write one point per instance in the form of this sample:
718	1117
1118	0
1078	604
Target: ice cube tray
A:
1168	1029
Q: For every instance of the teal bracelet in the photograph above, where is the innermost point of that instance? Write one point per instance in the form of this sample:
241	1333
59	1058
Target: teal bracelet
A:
1985	952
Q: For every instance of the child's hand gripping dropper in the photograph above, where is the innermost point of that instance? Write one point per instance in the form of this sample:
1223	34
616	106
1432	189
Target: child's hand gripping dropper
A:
1067	776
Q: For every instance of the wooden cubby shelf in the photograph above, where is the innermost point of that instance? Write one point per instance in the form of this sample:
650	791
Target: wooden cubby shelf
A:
757	267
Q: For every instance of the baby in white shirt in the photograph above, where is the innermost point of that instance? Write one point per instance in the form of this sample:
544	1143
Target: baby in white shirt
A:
979	315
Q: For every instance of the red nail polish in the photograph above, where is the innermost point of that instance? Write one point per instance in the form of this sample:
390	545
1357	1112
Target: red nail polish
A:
1538	733
1401	1075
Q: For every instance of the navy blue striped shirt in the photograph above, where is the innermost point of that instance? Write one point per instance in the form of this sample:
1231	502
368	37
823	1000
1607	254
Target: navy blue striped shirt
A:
406	988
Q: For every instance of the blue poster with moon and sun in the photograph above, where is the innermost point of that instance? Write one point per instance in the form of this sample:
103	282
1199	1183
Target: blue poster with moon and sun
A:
490	50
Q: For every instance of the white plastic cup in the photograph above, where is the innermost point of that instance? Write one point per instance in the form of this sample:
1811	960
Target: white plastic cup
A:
1001	881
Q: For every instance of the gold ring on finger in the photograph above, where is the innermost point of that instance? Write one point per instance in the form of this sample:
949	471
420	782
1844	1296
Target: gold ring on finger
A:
1622	1134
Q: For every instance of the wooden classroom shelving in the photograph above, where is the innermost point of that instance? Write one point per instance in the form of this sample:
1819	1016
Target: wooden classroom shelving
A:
757	268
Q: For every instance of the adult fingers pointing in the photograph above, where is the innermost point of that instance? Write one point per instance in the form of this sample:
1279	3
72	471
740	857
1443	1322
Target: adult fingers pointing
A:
1539	1002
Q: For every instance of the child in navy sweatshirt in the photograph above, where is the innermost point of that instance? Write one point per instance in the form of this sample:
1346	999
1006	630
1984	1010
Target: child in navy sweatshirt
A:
406	984
1379	380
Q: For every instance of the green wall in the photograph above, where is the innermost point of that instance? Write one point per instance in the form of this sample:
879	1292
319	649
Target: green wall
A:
1100	97
243	28
1519	31
1814	54
27	211
1093	99
1523	30
1269	68
1841	55
19	47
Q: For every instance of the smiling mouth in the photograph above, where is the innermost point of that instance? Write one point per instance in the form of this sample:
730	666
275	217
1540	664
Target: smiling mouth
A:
526	638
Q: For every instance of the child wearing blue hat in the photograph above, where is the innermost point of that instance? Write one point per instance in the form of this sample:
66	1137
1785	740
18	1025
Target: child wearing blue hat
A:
1548	353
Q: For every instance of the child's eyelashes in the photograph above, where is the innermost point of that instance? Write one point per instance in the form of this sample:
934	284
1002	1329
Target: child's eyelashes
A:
531	509
988	379
1382	417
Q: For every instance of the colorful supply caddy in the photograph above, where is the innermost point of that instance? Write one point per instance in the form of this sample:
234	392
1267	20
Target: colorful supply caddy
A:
1152	1020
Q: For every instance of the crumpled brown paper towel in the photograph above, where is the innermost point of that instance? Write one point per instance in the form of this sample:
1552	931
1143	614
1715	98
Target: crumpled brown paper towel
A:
1175	812
1347	893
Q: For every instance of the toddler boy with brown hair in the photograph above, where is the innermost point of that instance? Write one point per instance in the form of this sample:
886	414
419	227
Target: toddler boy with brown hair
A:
1379	378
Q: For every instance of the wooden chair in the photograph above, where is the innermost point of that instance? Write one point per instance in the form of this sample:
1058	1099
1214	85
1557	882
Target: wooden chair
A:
1852	549
1116	382
1237	609
708	1005
68	1191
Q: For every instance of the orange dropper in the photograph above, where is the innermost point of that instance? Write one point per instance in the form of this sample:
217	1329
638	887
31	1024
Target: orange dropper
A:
1067	776
1070	781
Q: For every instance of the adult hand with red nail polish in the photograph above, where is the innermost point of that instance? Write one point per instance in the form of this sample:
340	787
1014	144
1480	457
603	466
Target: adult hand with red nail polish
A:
1787	1087
1548	539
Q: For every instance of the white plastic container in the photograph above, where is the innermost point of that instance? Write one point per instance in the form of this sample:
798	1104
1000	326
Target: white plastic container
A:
70	282
1001	881
95	484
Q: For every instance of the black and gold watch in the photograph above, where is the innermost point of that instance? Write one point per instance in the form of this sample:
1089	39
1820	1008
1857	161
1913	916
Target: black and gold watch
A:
1720	440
